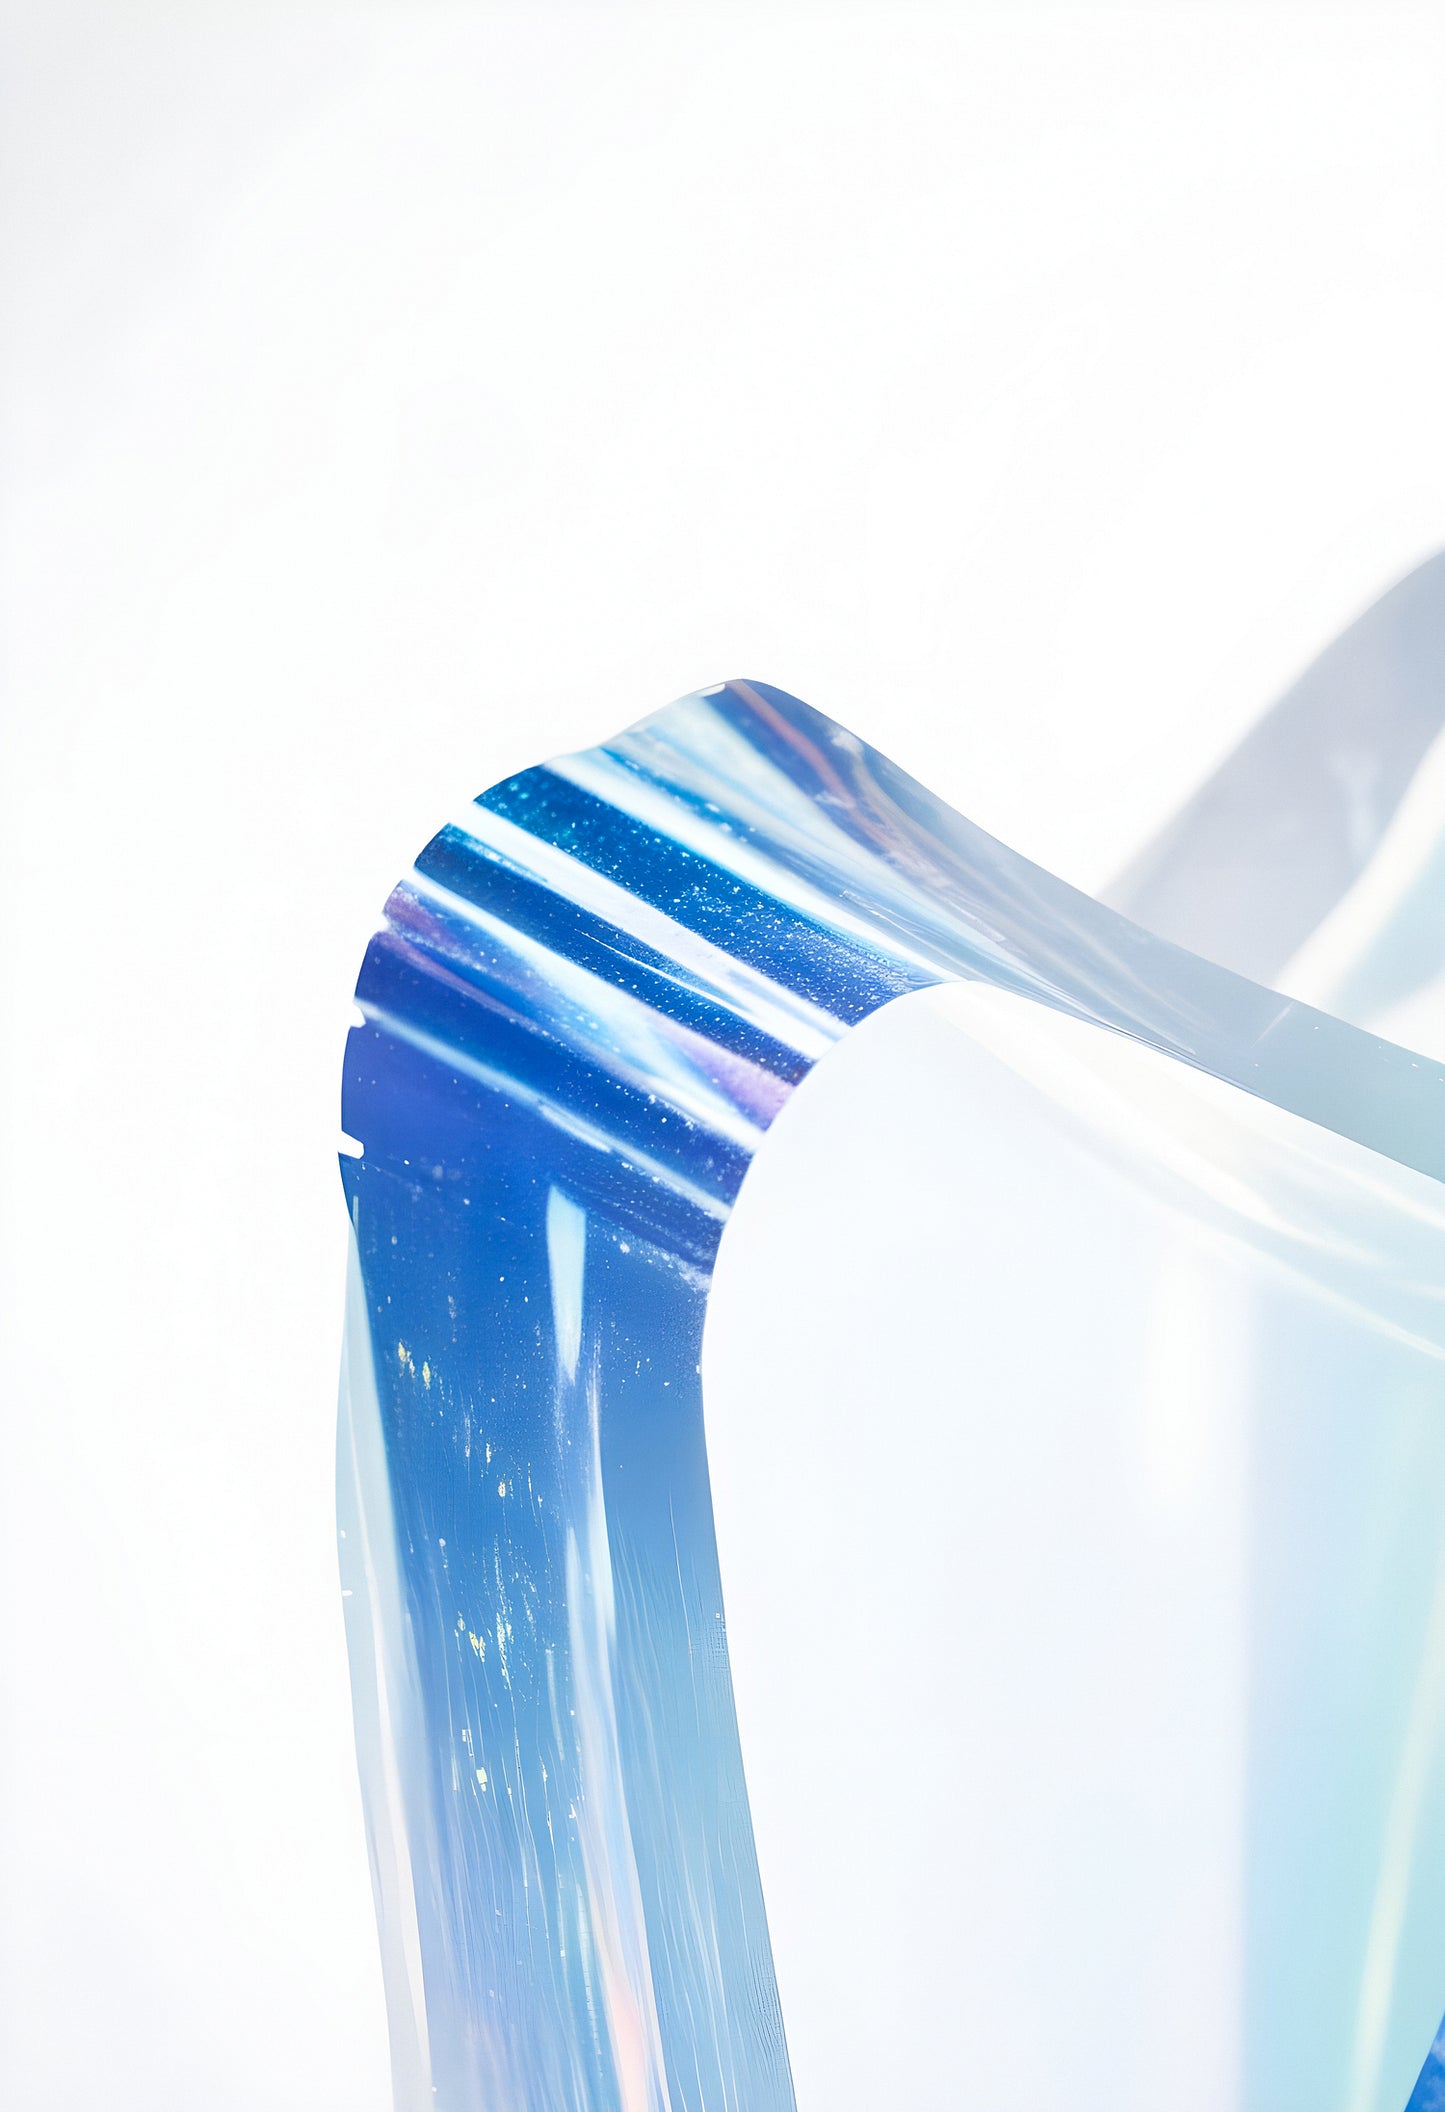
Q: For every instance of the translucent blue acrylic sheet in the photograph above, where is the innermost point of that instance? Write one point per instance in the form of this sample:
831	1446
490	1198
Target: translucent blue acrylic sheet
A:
1082	1561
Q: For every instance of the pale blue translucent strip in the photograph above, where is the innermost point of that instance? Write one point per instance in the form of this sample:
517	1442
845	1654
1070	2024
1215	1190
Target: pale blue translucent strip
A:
1100	1407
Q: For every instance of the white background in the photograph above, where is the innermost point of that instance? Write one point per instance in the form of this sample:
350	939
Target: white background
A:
393	396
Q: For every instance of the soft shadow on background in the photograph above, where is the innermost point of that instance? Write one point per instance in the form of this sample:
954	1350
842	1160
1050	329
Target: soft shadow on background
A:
394	396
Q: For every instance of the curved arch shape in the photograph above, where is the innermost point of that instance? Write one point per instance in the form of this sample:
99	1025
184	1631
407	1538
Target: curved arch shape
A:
589	999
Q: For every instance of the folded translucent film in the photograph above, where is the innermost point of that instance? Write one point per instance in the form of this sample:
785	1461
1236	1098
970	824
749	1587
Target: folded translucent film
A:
1090	1459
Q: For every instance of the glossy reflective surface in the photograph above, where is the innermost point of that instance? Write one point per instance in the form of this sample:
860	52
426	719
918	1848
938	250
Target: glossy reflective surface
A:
591	998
